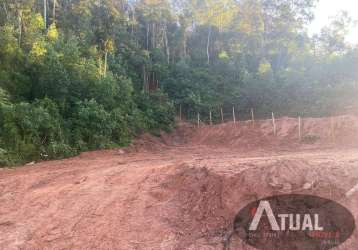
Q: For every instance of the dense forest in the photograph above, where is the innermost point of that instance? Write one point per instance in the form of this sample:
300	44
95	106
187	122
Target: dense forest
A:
80	75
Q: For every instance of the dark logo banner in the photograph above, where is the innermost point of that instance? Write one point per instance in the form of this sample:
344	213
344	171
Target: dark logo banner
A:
294	222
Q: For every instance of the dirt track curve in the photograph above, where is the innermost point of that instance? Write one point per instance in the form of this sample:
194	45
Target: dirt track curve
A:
179	191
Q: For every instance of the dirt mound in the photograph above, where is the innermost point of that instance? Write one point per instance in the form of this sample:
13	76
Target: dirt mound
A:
205	202
242	136
246	136
180	135
148	142
198	210
341	130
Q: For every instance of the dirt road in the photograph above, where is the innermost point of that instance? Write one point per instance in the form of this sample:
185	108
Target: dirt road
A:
182	195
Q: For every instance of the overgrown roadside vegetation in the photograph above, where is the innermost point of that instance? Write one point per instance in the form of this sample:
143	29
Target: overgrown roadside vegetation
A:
85	75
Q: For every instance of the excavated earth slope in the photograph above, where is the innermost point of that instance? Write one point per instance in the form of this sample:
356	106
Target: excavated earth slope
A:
178	191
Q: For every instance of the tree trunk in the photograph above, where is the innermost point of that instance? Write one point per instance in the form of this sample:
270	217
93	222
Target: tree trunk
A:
147	36
173	58
166	44
20	26
144	79
133	19
153	81
184	44
54	11
100	65
208	45
45	13
105	62
5	10
153	35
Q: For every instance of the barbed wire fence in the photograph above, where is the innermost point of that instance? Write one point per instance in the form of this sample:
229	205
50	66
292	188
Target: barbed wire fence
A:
221	115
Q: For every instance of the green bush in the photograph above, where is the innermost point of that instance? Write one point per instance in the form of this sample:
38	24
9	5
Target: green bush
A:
28	131
158	111
57	150
121	130
92	126
4	158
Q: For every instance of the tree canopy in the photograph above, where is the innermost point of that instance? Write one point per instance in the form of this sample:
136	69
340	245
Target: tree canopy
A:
86	74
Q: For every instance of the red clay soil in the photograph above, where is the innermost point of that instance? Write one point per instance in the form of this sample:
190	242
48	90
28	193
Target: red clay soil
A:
177	191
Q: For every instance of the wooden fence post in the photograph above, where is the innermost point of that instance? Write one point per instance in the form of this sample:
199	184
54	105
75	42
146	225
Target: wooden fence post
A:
222	115
252	117
198	119
299	129
333	136
180	112
211	121
274	124
233	114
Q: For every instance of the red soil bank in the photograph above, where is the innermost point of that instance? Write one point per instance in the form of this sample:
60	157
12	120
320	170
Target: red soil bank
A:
178	191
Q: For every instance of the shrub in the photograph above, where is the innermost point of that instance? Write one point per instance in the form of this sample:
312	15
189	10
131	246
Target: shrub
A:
92	126
158	111
28	131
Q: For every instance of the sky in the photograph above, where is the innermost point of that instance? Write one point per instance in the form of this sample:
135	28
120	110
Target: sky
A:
329	8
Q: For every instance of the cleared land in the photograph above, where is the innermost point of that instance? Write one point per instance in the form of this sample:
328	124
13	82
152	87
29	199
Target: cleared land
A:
177	191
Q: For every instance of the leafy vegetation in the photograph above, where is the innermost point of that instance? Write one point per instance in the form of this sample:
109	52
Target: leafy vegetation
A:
84	75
